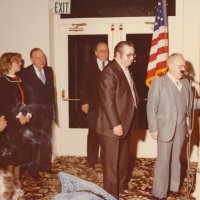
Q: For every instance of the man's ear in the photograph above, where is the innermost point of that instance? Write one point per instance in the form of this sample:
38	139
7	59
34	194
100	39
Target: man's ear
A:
95	52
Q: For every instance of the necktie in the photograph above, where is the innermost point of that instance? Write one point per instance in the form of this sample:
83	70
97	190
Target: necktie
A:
130	81
103	64
42	76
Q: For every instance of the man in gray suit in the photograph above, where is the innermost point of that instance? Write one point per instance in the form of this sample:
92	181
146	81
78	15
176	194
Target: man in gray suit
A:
168	112
118	103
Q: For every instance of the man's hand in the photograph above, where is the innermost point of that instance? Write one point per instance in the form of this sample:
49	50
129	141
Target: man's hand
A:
3	123
85	108
118	130
24	119
154	135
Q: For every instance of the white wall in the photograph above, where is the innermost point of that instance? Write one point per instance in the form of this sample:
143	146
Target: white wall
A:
24	24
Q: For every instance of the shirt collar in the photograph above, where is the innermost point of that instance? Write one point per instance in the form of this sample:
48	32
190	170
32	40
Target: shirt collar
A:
99	62
37	68
11	75
171	77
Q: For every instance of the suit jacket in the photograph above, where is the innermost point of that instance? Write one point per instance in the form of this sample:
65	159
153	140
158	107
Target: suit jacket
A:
39	93
161	107
89	84
10	100
116	101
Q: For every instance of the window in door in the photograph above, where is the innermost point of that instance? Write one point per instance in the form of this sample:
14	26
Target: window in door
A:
80	51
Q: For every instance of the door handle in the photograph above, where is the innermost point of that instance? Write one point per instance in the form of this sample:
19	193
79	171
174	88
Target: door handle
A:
67	99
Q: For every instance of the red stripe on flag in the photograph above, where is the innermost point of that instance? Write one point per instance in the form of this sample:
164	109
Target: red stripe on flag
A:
161	36
159	51
158	67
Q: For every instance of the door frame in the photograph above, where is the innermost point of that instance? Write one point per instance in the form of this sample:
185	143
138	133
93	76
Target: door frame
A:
116	28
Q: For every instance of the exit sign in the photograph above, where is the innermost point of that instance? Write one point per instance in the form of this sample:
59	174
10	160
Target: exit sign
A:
61	6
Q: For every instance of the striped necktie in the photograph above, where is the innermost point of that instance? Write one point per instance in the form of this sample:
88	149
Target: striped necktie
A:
103	64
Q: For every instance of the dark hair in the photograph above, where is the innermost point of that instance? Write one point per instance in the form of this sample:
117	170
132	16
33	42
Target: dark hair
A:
119	47
95	48
33	50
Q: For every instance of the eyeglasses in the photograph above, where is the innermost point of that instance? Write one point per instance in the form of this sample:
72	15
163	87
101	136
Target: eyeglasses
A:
180	66
129	55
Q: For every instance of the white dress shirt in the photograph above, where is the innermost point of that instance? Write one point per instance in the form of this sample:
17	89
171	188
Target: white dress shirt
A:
100	63
177	82
129	79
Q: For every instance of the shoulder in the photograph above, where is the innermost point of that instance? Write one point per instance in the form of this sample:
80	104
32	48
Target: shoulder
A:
185	81
112	71
4	82
48	70
91	63
160	80
4	79
113	66
26	69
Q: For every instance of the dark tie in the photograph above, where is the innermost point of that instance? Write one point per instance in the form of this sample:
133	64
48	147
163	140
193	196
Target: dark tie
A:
103	64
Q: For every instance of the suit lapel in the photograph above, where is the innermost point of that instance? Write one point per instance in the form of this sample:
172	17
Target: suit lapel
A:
35	77
96	67
126	81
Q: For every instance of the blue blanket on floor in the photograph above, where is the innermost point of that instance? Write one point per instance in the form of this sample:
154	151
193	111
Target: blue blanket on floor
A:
74	188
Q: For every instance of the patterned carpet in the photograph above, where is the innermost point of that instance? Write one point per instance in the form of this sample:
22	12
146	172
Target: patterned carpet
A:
45	187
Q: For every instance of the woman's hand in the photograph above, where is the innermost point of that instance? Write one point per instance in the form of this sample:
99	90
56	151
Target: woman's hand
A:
3	123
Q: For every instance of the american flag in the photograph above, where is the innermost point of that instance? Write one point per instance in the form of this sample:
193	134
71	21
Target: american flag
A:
159	44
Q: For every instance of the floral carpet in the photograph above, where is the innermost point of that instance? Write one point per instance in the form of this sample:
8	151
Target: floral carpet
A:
141	179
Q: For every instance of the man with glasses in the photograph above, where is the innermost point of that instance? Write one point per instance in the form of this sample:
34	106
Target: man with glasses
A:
118	105
168	112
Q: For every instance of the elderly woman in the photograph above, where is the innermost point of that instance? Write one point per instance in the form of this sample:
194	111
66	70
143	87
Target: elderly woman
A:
13	152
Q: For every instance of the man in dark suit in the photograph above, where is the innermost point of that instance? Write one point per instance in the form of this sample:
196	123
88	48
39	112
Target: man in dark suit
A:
39	85
90	98
118	103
